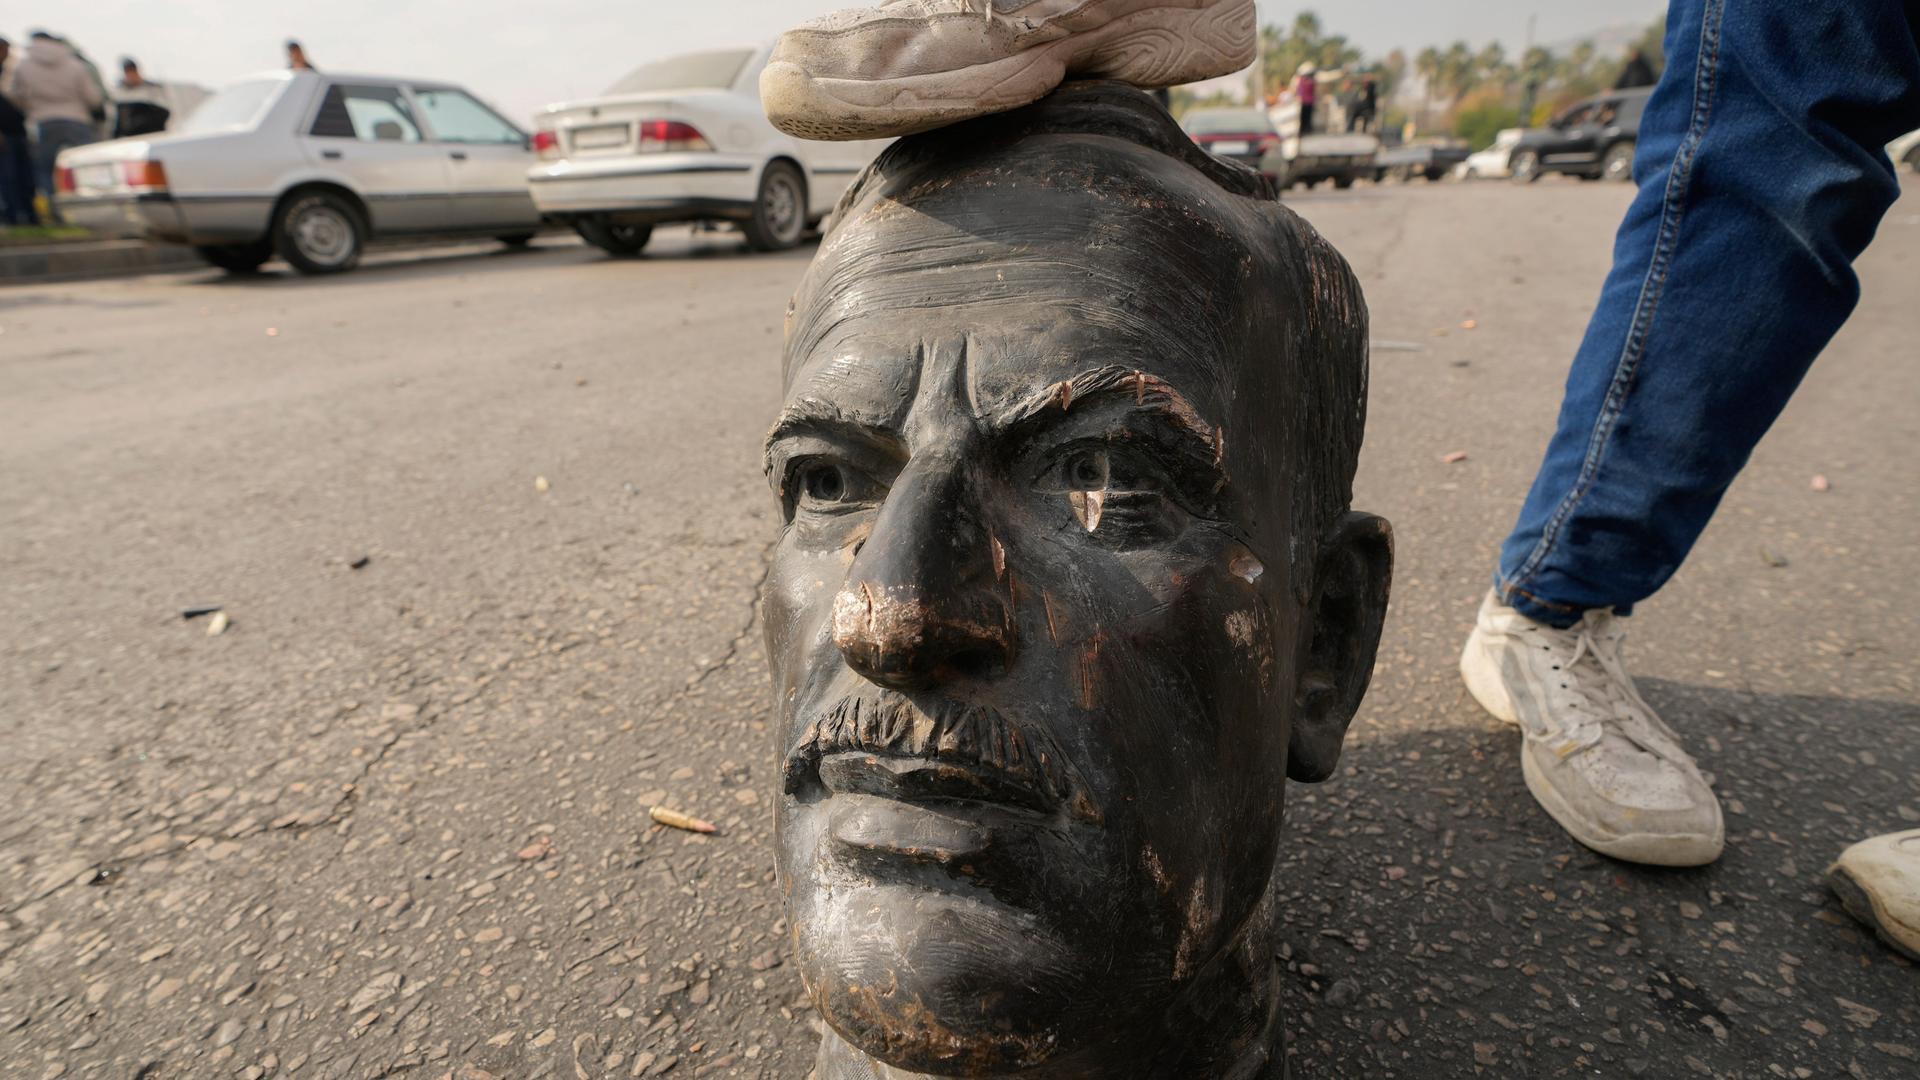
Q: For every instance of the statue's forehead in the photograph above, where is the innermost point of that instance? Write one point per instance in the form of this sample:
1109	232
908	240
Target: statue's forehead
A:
996	355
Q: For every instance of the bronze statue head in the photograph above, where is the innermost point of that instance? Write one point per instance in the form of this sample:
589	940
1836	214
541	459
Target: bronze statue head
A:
1067	588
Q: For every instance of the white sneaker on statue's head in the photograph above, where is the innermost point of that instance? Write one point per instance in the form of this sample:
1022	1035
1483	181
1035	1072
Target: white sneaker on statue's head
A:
1879	882
1595	755
914	65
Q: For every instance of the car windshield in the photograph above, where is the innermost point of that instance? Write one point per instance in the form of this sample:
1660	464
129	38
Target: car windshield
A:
236	108
694	71
1227	122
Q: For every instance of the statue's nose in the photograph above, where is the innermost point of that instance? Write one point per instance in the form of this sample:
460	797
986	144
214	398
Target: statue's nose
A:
923	603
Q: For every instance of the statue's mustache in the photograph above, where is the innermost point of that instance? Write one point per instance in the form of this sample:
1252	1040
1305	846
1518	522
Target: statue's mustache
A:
967	736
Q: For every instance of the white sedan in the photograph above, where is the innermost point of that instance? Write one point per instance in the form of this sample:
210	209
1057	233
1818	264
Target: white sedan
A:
1493	163
310	166
685	139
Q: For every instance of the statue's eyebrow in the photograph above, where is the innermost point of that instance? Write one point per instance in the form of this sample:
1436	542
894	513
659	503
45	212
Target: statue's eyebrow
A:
1203	443
813	416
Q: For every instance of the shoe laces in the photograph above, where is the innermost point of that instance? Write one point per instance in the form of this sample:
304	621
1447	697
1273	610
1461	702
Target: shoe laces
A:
1599	698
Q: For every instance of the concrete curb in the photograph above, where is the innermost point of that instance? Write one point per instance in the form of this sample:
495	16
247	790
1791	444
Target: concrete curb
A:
94	258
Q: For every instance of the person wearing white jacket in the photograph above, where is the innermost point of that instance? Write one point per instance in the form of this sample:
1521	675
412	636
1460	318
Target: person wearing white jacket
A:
57	91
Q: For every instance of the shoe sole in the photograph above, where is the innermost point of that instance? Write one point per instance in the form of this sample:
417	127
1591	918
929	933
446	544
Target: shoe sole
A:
1481	673
1862	905
1162	46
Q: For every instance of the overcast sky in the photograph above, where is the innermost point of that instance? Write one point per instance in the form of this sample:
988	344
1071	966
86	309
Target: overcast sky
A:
522	54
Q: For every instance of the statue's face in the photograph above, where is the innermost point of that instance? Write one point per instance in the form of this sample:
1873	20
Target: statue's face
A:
1035	666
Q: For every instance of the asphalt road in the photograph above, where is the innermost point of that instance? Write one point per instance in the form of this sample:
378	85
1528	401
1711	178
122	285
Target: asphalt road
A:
394	820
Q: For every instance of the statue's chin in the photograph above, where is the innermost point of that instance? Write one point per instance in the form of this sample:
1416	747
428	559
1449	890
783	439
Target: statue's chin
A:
947	985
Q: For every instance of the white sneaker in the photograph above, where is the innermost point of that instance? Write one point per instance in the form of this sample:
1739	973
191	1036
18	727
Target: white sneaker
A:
1596	757
1879	882
914	65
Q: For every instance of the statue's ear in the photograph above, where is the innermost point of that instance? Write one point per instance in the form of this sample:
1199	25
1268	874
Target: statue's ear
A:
1350	579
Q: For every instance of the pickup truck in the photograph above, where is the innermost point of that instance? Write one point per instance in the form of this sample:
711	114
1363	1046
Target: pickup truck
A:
1432	159
1309	159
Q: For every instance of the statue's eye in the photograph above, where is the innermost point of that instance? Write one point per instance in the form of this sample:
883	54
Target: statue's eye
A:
824	482
1087	470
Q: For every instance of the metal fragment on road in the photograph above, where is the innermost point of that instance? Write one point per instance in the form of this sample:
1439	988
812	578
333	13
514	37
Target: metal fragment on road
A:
676	820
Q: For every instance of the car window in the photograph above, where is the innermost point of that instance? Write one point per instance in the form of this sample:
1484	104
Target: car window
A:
715	70
367	113
1630	110
236	108
457	117
1574	117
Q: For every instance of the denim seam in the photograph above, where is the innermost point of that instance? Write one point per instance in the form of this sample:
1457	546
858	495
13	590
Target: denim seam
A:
1679	179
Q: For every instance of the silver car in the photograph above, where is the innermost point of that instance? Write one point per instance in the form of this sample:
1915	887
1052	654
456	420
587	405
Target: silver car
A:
312	167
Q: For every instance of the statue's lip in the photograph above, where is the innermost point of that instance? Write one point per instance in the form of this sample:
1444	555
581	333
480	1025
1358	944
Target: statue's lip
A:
921	779
867	826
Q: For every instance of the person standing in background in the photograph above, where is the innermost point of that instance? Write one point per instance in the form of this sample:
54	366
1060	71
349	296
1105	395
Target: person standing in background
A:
297	57
141	107
59	95
1306	91
16	151
1637	72
1366	105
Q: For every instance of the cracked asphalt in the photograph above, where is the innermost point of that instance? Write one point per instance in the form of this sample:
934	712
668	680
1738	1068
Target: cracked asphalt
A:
394	820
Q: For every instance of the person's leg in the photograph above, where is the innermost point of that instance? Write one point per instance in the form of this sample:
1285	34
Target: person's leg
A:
1762	176
12	149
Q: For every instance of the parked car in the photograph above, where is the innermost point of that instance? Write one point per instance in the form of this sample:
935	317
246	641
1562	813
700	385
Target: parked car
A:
1906	149
1242	135
313	167
1307	159
1432	159
685	139
1592	139
1493	163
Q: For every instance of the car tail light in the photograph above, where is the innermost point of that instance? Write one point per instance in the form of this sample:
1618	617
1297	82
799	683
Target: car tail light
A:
144	175
670	136
546	144
63	181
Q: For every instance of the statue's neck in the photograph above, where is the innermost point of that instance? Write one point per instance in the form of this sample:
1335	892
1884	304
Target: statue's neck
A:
1239	1038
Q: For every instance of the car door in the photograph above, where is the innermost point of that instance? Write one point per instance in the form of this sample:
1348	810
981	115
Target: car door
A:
487	160
1570	139
369	134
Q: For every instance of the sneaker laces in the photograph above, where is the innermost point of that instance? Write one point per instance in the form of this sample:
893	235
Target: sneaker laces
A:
1606	700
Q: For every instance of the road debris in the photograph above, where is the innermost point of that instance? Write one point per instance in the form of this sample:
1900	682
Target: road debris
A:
1772	557
218	624
539	849
1454	458
198	610
1821	483
360	563
674	819
540	483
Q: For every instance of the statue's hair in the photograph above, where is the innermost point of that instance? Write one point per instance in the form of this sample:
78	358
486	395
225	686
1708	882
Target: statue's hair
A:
1299	273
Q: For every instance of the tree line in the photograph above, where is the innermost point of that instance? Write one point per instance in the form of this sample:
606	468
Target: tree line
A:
1455	89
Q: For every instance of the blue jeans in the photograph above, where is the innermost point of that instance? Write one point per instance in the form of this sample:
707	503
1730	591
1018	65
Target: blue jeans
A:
55	136
1763	175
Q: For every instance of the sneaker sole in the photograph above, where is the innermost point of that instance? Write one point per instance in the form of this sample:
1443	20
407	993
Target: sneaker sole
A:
1481	673
1862	905
1163	46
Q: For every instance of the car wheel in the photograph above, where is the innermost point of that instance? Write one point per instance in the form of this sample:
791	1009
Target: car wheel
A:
516	240
318	232
237	258
779	210
1526	167
614	239
1618	164
1343	182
